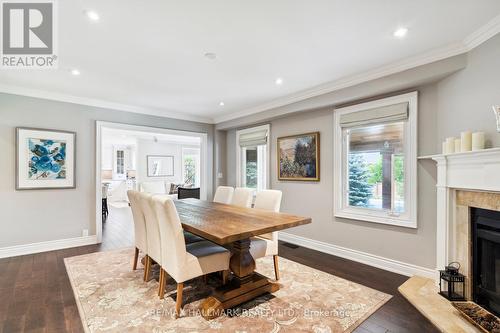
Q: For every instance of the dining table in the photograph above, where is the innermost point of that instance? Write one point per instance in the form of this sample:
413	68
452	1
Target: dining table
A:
233	227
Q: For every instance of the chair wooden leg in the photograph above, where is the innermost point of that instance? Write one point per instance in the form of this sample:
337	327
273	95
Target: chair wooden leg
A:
225	275
161	288
178	303
136	258
276	270
147	268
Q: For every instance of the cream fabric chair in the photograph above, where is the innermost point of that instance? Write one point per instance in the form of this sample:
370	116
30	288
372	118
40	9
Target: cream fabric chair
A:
267	244
242	197
184	262
141	243
153	233
224	194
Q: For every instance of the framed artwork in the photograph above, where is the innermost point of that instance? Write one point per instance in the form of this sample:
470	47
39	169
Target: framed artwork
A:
160	165
45	159
298	157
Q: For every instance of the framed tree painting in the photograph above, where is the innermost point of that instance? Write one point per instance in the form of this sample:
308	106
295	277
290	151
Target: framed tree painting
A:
45	159
298	157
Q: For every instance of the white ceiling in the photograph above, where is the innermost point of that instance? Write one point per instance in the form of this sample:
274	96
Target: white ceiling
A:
148	56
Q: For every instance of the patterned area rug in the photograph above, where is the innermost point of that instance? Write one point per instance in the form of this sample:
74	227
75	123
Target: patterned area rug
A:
113	298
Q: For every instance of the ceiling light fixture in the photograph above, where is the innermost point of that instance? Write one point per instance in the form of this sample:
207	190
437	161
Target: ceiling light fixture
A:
221	104
279	81
75	72
210	55
400	32
92	15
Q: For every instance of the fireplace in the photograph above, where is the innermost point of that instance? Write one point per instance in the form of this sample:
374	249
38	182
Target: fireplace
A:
486	258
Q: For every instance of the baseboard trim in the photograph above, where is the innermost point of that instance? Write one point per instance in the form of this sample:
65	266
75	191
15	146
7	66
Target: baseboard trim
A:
359	256
19	250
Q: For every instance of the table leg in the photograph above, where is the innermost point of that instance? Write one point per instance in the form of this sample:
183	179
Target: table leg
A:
242	263
245	285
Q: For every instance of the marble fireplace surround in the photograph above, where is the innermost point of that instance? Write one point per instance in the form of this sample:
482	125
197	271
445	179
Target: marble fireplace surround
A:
464	180
461	232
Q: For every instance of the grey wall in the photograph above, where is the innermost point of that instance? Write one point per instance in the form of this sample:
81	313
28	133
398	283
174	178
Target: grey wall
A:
43	215
465	98
220	158
231	157
448	104
316	199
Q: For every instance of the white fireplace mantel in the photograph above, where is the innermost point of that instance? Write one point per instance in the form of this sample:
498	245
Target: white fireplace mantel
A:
476	171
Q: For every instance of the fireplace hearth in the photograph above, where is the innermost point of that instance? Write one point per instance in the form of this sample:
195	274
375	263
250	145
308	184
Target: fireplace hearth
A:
466	182
486	259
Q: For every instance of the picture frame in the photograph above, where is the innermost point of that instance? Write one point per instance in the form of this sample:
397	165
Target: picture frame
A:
45	159
306	166
160	165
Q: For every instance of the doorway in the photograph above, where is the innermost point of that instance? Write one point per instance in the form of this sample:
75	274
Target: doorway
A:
155	160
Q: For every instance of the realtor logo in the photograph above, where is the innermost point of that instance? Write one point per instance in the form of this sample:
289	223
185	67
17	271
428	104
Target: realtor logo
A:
28	34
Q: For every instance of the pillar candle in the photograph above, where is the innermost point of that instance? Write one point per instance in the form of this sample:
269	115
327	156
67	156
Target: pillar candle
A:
477	141
458	145
445	150
450	145
466	138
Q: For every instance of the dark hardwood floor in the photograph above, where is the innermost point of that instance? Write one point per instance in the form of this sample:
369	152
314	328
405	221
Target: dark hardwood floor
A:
36	296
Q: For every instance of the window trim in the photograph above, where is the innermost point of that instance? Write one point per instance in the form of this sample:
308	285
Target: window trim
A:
342	210
266	127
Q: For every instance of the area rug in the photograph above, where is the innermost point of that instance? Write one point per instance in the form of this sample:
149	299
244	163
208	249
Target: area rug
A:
113	298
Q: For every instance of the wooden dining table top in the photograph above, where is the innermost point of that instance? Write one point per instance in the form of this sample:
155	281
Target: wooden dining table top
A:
224	224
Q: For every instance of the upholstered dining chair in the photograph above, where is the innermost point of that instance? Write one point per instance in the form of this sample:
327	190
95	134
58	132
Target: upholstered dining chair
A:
153	234
223	194
267	244
242	197
141	243
184	262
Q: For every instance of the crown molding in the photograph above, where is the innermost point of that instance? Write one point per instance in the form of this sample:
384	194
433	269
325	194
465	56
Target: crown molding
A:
472	41
349	81
54	96
482	34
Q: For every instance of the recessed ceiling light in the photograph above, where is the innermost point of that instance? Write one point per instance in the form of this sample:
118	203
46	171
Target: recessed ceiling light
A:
75	72
221	104
210	55
400	32
279	81
92	15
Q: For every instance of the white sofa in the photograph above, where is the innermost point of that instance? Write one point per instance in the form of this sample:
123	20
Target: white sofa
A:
157	187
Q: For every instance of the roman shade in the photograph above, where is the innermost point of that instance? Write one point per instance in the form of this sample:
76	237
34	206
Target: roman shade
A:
252	139
396	112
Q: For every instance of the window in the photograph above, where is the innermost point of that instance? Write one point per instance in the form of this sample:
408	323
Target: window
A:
191	166
253	157
375	161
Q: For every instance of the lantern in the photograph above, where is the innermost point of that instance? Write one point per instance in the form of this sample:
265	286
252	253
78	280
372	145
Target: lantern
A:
452	283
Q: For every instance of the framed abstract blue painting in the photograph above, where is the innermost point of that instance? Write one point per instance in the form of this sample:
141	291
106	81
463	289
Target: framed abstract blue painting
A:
45	159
